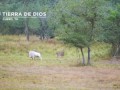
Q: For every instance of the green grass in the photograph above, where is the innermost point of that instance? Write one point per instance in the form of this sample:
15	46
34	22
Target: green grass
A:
16	48
13	52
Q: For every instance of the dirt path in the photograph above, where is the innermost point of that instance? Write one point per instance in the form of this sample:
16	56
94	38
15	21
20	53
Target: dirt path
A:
57	78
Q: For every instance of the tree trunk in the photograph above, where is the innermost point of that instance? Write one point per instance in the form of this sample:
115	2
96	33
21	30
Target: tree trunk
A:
26	29
88	56
83	58
91	36
117	51
26	2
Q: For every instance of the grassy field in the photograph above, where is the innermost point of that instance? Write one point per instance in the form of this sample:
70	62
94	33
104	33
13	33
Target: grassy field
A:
19	72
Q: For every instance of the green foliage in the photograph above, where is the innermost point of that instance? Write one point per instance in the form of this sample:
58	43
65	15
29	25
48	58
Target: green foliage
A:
25	6
80	22
80	19
111	29
75	39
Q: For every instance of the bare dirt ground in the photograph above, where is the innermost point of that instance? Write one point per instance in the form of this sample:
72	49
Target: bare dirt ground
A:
59	78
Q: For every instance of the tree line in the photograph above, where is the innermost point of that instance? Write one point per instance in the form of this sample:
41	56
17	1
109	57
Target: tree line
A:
75	22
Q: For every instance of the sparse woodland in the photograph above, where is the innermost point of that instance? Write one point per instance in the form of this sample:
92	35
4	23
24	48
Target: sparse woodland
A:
79	41
78	23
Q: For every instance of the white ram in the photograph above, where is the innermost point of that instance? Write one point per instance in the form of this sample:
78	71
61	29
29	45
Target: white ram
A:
33	54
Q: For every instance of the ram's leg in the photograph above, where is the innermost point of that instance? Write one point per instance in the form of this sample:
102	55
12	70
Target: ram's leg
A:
40	57
33	57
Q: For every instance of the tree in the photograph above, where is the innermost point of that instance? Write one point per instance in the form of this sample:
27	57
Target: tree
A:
76	40
28	25
83	17
111	32
71	29
92	11
45	26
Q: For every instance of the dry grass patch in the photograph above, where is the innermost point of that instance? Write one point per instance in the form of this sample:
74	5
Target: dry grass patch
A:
56	78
